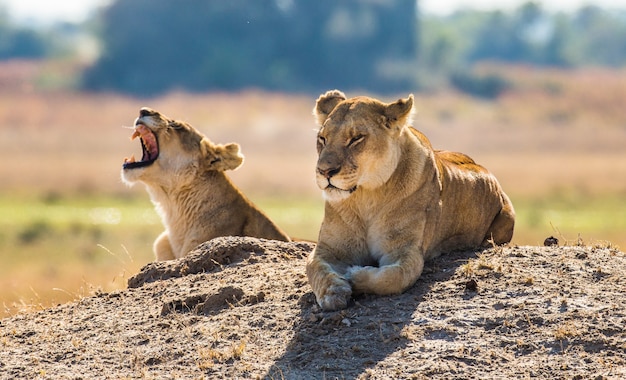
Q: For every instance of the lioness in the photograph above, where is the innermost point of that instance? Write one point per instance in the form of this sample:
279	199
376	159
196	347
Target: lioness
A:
391	201
184	174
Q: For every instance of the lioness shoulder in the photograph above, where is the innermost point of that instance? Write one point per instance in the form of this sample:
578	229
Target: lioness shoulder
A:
391	201
183	172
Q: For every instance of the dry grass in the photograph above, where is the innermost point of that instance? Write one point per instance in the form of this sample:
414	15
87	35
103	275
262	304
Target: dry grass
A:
556	143
566	330
63	141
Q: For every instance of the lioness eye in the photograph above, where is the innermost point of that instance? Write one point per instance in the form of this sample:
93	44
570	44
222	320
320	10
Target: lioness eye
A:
355	140
321	140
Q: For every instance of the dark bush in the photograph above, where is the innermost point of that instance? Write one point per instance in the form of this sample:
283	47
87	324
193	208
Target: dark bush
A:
488	86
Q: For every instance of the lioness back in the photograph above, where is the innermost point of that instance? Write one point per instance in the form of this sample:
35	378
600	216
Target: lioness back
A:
392	201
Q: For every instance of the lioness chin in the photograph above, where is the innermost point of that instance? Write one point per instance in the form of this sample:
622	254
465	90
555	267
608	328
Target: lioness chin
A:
392	202
184	174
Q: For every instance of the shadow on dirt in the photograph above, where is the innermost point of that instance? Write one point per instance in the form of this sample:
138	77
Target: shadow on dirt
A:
344	344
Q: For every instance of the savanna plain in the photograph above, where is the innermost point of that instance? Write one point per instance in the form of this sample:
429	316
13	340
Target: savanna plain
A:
69	227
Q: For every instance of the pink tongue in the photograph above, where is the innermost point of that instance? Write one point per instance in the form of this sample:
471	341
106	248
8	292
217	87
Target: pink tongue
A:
148	139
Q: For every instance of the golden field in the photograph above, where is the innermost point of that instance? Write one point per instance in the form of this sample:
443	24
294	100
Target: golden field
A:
69	227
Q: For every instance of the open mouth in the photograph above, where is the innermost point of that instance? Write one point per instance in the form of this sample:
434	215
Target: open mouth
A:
149	147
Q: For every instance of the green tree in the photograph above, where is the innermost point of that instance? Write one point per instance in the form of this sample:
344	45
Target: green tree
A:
152	46
529	34
19	42
560	48
601	36
516	37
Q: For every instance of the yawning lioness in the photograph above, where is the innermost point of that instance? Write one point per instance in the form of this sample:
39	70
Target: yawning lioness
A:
184	174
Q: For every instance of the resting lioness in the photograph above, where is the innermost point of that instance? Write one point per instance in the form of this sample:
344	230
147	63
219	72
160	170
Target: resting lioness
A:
184	174
392	201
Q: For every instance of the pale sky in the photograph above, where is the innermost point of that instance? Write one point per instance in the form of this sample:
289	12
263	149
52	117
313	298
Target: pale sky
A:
50	10
78	10
448	6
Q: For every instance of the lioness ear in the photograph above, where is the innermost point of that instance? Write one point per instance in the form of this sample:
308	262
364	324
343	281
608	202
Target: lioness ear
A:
326	103
399	113
222	157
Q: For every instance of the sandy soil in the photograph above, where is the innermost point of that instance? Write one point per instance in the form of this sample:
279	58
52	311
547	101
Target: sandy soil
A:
242	308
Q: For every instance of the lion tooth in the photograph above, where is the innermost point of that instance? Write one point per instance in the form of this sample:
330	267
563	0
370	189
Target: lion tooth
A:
135	135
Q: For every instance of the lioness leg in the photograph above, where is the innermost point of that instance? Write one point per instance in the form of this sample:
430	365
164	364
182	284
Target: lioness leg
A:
332	291
501	229
163	248
393	278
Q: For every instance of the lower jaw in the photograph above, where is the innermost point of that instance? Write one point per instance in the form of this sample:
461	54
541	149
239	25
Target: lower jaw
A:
336	195
129	175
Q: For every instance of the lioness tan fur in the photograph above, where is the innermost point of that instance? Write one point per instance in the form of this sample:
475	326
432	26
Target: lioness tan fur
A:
391	201
184	174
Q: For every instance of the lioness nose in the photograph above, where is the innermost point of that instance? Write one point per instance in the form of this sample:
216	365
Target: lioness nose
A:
145	111
328	173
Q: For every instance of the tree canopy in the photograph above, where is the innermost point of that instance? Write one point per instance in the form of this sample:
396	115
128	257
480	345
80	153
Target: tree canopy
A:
529	34
20	42
152	46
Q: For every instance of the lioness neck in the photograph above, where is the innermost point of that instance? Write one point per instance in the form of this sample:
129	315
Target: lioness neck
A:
211	190
416	167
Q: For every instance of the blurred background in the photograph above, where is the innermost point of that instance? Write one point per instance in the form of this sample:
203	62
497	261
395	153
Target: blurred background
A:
534	91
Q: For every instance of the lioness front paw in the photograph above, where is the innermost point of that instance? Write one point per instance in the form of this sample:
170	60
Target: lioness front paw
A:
361	278
336	296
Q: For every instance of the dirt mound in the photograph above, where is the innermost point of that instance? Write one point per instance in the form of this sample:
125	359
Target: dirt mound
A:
214	254
242	308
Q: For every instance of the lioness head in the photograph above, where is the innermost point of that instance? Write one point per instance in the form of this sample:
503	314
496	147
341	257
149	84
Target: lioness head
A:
174	148
356	142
